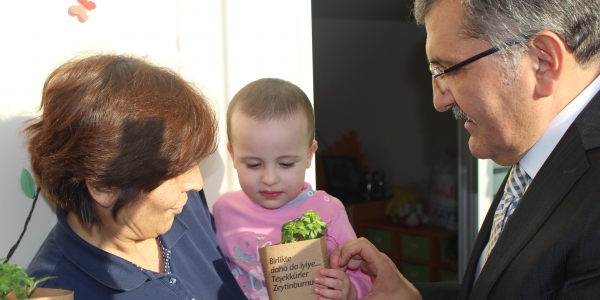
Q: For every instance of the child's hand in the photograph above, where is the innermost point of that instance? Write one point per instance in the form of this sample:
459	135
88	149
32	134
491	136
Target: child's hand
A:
338	281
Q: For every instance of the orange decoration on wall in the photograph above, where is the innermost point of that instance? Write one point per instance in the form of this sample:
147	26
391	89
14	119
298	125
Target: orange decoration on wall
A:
347	146
89	5
80	10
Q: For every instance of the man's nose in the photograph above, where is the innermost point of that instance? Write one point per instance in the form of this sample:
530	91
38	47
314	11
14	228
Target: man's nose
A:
442	101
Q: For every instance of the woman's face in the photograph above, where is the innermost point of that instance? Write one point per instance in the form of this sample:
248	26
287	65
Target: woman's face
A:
153	214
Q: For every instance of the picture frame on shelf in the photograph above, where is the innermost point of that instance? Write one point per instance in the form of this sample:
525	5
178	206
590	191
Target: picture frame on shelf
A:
343	176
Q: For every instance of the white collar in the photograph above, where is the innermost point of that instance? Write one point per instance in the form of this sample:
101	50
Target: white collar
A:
537	155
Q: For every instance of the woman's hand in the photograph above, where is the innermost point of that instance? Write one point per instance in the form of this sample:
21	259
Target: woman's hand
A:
338	282
388	283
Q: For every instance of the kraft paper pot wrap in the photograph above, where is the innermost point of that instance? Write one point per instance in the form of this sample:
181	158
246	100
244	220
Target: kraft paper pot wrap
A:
51	294
290	268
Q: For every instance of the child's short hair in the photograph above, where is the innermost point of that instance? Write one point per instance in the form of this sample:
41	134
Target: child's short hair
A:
271	98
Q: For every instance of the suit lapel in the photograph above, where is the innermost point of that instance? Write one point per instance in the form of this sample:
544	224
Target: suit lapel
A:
563	168
565	165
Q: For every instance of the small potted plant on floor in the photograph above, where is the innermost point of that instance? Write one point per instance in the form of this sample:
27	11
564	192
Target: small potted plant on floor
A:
14	281
290	266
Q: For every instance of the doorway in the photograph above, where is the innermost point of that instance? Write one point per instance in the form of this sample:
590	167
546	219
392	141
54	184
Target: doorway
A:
372	86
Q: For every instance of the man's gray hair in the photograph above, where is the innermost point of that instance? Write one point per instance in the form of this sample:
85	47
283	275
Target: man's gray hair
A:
577	22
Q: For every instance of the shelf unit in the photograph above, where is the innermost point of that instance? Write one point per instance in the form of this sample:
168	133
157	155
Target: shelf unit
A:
420	253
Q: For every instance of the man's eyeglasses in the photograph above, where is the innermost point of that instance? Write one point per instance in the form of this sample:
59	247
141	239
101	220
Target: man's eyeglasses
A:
436	72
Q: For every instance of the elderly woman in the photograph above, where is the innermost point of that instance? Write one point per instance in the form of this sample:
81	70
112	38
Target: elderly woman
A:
117	149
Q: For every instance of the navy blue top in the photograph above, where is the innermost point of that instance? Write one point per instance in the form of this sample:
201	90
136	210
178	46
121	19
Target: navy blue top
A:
197	265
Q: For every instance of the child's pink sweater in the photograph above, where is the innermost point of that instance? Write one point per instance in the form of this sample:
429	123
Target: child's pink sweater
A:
243	227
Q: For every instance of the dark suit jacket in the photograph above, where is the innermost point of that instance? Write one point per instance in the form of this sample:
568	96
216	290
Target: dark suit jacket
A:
550	246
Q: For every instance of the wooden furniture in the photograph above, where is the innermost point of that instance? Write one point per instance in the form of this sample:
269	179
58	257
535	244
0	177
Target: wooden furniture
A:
420	253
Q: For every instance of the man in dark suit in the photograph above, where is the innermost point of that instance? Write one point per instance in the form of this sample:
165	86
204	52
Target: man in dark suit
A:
523	75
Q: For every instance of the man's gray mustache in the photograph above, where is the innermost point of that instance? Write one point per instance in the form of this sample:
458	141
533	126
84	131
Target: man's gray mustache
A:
460	114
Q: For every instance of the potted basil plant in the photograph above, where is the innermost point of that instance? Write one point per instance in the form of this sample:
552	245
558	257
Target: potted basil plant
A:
289	267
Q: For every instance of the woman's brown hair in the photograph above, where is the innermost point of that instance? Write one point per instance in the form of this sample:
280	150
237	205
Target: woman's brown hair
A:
116	122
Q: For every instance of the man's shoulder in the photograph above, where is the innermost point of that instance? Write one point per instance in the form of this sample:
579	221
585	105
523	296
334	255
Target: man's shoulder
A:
588	123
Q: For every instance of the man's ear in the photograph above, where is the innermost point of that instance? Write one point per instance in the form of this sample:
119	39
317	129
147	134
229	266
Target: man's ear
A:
230	150
549	53
104	196
311	152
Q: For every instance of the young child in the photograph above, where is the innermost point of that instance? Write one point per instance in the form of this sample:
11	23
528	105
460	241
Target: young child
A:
271	132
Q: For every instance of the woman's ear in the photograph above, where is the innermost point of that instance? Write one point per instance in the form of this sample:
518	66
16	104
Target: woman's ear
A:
548	53
104	196
311	152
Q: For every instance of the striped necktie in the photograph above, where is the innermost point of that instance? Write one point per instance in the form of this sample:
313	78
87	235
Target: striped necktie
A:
513	191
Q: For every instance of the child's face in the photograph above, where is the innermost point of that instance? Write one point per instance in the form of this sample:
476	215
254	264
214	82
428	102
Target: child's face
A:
271	157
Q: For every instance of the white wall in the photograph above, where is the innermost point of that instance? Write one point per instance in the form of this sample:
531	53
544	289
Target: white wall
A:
221	45
485	188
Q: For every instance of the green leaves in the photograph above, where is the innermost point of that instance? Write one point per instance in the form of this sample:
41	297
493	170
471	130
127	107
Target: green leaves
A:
14	279
309	226
27	184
